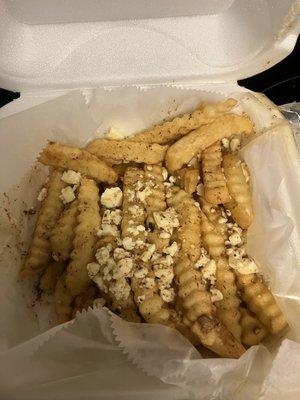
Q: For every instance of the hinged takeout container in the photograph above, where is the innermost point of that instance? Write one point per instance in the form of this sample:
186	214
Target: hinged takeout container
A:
136	62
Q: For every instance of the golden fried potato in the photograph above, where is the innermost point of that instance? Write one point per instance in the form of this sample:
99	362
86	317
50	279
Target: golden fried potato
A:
228	308
261	302
253	332
62	234
88	221
189	233
126	151
182	151
215	188
39	253
241	204
180	126
58	155
213	238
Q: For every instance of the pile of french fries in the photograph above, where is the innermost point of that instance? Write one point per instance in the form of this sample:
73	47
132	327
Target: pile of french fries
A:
154	227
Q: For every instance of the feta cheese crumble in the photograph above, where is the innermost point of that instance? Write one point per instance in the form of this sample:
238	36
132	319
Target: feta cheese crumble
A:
112	197
71	177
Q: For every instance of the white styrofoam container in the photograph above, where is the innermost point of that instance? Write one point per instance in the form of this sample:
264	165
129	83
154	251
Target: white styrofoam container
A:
47	47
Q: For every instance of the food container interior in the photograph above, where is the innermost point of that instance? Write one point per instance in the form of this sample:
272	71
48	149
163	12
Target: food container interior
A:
65	45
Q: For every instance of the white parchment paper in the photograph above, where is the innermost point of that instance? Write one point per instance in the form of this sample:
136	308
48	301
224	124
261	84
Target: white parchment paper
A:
99	356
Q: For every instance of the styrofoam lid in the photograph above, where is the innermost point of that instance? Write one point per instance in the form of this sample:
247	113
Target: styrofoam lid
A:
87	43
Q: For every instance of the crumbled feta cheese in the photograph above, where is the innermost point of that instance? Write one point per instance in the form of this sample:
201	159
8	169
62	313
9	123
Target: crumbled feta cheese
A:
136	230
212	210
67	194
128	243
244	266
216	295
222	220
123	268
164	173
112	197
164	235
102	255
168	185
120	289
43	194
135	210
172	250
235	144
141	273
149	167
108	230
71	177
142	195
114	134
169	260
203	260
200	189
112	217
140	299
197	204
167	295
172	179
209	271
148	283
164	273
148	253
234	239
120	253
166	220
139	243
225	143
93	269
99	302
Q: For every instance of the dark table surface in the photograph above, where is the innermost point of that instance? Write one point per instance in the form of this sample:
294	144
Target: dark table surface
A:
280	83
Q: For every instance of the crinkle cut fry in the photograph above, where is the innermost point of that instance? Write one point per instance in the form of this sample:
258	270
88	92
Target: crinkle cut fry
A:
228	308
153	308
189	233
196	300
253	331
39	253
213	239
261	302
180	126
62	234
182	151
241	204
88	221
132	206
58	155
215	188
123	150
155	202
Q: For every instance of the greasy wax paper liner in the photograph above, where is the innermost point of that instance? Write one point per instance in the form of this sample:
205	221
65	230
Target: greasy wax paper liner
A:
98	353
